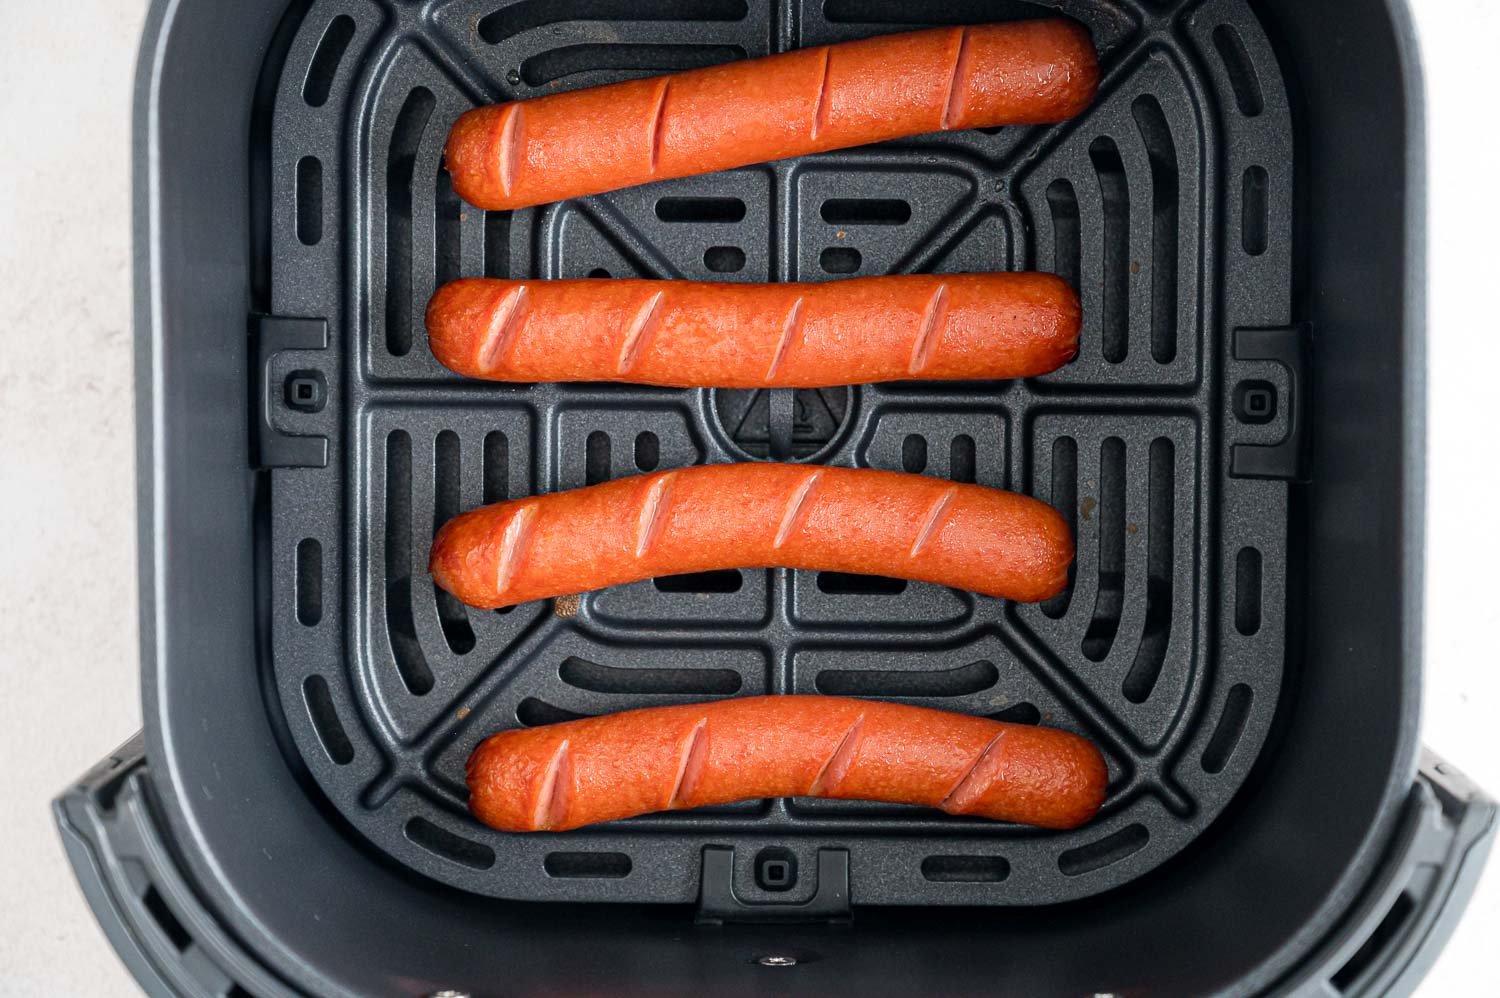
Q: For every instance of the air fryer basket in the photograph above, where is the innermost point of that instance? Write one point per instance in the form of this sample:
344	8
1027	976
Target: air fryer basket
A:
1168	204
1239	447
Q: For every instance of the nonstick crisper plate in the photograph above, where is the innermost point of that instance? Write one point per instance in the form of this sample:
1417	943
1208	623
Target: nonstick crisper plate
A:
1170	205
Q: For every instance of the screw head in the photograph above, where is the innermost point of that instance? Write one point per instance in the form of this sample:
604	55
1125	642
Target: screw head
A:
513	77
776	960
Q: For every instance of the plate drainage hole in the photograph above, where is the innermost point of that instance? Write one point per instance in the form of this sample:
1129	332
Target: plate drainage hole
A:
776	869
776	960
1255	402
306	391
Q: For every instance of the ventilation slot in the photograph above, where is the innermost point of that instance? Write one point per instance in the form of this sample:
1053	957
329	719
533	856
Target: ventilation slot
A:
1253	209
1242	76
1162	493
401	164
647	450
309	581
962	681
165	920
1114	192
1110	849
724	259
1110	601
496	466
1247	591
515	18
965	869
1385	933
697	210
534	713
847	584
840	260
587	865
325	720
905	12
1067	232
1065	501
1227	732
598	678
596	458
448	265
866	211
400	625
1018	713
497	244
961	464
325	61
914	453
726	581
555	64
438	840
1162	154
309	201
446	472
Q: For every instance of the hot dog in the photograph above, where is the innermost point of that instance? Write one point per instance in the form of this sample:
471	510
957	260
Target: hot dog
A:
686	334
601	139
561	776
721	516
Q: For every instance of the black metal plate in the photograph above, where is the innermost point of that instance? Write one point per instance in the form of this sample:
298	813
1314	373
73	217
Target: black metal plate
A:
1169	203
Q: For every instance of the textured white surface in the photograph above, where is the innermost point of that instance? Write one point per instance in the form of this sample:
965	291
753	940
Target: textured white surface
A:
68	640
68	658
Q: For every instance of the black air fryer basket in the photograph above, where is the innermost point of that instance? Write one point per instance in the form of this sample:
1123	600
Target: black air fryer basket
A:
1238	448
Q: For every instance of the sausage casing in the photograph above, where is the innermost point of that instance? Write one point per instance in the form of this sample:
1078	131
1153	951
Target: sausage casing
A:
755	515
561	776
566	145
687	334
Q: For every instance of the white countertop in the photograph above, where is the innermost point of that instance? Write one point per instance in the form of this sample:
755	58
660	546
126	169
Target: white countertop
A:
68	671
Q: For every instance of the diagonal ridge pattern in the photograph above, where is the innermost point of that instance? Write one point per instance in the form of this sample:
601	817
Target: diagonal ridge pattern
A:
653	514
796	509
930	332
690	761
509	315
933	518
791	331
837	767
960	70
555	794
638	333
658	122
513	546
972	784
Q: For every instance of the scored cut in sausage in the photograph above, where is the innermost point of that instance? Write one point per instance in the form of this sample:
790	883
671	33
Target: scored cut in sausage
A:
561	776
755	515
567	145
687	334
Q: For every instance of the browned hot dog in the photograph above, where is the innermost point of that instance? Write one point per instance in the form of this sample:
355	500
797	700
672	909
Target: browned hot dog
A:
561	776
604	138
689	335
720	516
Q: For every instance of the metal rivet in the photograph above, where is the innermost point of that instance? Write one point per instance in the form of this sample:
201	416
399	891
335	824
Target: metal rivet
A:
449	993
776	961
